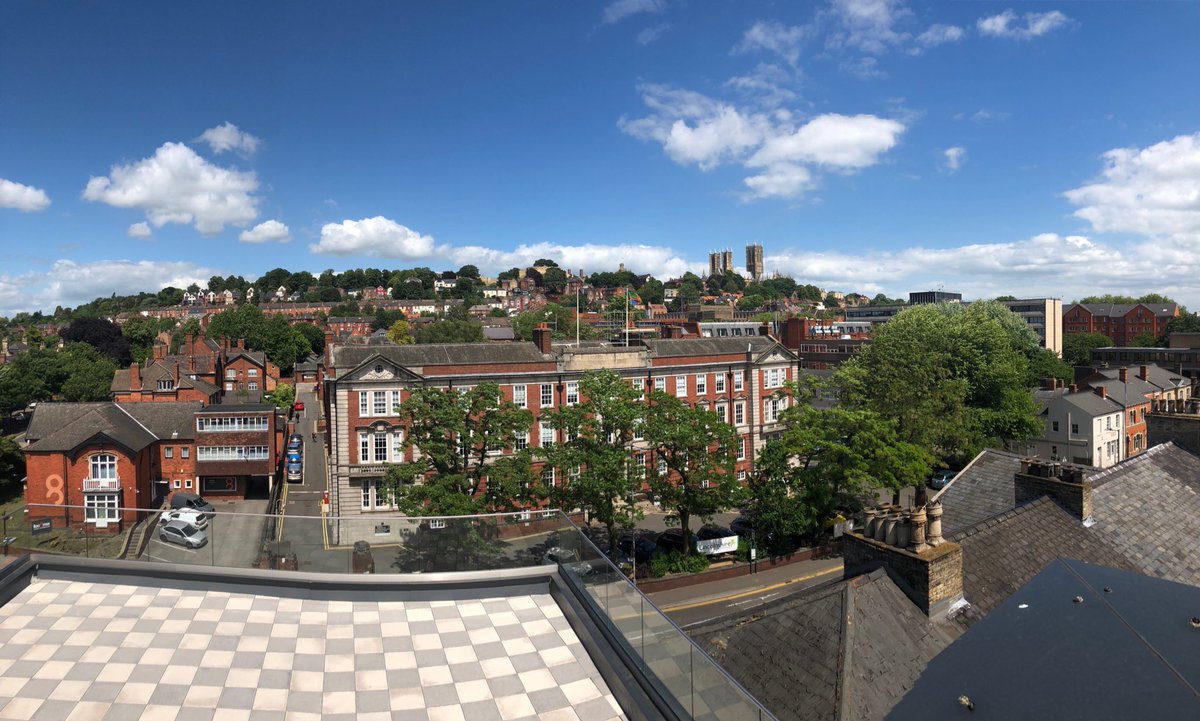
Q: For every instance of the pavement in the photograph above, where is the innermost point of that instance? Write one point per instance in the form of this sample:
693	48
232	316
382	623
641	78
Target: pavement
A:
703	602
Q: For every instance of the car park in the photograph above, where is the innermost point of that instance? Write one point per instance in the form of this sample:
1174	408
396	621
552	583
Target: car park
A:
672	539
188	516
181	500
183	534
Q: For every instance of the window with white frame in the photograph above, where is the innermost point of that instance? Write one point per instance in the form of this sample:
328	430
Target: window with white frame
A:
680	386
660	383
639	385
701	384
168	452
719	382
230	374
739	380
362	404
398	446
253	385
381	446
252	373
166	385
572	392
103	466
545	435
662	466
573	474
771	410
100	507
366	492
185	452
548	476
739	414
519	396
232	453
230	424
521	440
379	401
364	448
741	449
641	466
741	476
722	413
639	431
547	399
394	403
774	377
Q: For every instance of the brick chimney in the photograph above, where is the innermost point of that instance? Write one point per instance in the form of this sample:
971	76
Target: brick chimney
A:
241	344
160	351
1101	391
328	347
1144	373
175	373
666	332
1048	384
793	333
135	376
191	344
1067	483
1123	374
930	575
541	338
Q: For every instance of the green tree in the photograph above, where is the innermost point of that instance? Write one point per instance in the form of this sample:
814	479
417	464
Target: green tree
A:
1143	340
751	302
283	396
561	320
953	380
1182	323
88	374
700	453
824	462
12	468
601	427
399	333
554	280
468	271
1077	347
103	335
1046	364
314	335
140	333
469	461
497	313
450	331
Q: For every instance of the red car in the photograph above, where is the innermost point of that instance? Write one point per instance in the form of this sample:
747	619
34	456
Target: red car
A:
298	406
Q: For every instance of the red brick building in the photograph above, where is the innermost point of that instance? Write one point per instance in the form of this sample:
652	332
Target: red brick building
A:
740	379
1122	323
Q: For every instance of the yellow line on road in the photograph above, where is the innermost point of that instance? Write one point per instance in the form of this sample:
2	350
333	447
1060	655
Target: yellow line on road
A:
756	591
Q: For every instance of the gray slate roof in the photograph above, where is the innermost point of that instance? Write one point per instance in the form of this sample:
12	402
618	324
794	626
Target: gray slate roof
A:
1117	310
66	426
1148	508
1002	553
846	650
980	491
1132	393
347	357
677	347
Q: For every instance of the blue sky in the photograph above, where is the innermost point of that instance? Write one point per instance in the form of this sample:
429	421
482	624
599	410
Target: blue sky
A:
870	145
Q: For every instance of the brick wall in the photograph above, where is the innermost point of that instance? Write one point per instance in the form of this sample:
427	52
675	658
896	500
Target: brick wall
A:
934	579
1181	429
1075	497
56	479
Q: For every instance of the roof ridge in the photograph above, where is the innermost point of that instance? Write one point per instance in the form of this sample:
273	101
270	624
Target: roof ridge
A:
135	420
1143	456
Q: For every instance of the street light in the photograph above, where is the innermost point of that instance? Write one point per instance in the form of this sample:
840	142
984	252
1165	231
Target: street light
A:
7	538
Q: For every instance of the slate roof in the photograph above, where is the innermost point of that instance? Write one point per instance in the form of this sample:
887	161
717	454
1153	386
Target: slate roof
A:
1002	553
1128	394
680	347
1148	508
64	426
165	419
845	650
347	357
498	333
1118	310
980	491
1159	378
162	370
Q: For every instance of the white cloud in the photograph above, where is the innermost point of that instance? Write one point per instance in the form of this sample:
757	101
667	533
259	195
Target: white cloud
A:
25	198
939	34
70	283
773	36
229	137
1008	25
864	68
652	33
141	231
693	128
868	25
176	185
621	9
266	232
662	262
954	158
376	237
765	85
1154	191
839	141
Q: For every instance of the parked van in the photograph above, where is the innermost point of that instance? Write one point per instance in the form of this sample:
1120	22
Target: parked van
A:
181	500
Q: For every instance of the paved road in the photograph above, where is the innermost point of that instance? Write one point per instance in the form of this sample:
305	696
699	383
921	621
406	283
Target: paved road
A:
704	602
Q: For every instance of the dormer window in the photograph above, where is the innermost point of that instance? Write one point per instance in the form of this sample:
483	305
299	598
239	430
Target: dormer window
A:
166	385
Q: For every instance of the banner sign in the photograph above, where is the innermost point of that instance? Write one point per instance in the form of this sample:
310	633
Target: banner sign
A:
717	546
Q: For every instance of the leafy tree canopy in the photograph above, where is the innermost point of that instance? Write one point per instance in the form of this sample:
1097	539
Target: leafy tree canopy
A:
103	335
561	320
450	331
1077	347
400	333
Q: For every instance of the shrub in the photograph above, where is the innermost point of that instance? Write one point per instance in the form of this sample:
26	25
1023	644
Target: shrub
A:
676	562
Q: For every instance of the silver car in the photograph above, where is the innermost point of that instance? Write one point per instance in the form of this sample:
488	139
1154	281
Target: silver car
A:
183	534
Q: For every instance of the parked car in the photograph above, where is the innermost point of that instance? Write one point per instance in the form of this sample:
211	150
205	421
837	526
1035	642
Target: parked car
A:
672	539
641	549
298	406
182	534
181	500
187	515
569	560
939	479
295	441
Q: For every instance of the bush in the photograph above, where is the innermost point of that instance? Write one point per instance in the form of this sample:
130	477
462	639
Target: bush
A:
676	562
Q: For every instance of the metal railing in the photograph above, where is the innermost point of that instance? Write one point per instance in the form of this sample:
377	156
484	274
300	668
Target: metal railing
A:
693	685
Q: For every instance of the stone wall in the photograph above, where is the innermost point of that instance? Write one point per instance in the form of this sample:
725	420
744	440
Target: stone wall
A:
1181	429
934	578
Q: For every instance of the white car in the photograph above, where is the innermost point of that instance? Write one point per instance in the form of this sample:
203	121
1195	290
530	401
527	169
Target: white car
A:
190	517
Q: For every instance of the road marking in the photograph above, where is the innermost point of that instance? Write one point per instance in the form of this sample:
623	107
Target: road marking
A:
754	592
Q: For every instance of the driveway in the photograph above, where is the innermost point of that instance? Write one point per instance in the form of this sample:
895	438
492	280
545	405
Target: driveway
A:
234	536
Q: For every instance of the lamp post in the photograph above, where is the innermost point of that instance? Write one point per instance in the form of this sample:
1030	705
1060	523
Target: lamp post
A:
7	538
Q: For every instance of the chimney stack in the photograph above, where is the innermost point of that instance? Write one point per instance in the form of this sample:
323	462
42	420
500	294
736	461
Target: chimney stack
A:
175	373
1144	373
541	338
1048	384
1067	483
191	343
1123	374
1074	388
1101	391
930	574
135	376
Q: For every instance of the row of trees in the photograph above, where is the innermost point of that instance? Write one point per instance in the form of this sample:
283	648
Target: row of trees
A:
78	372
